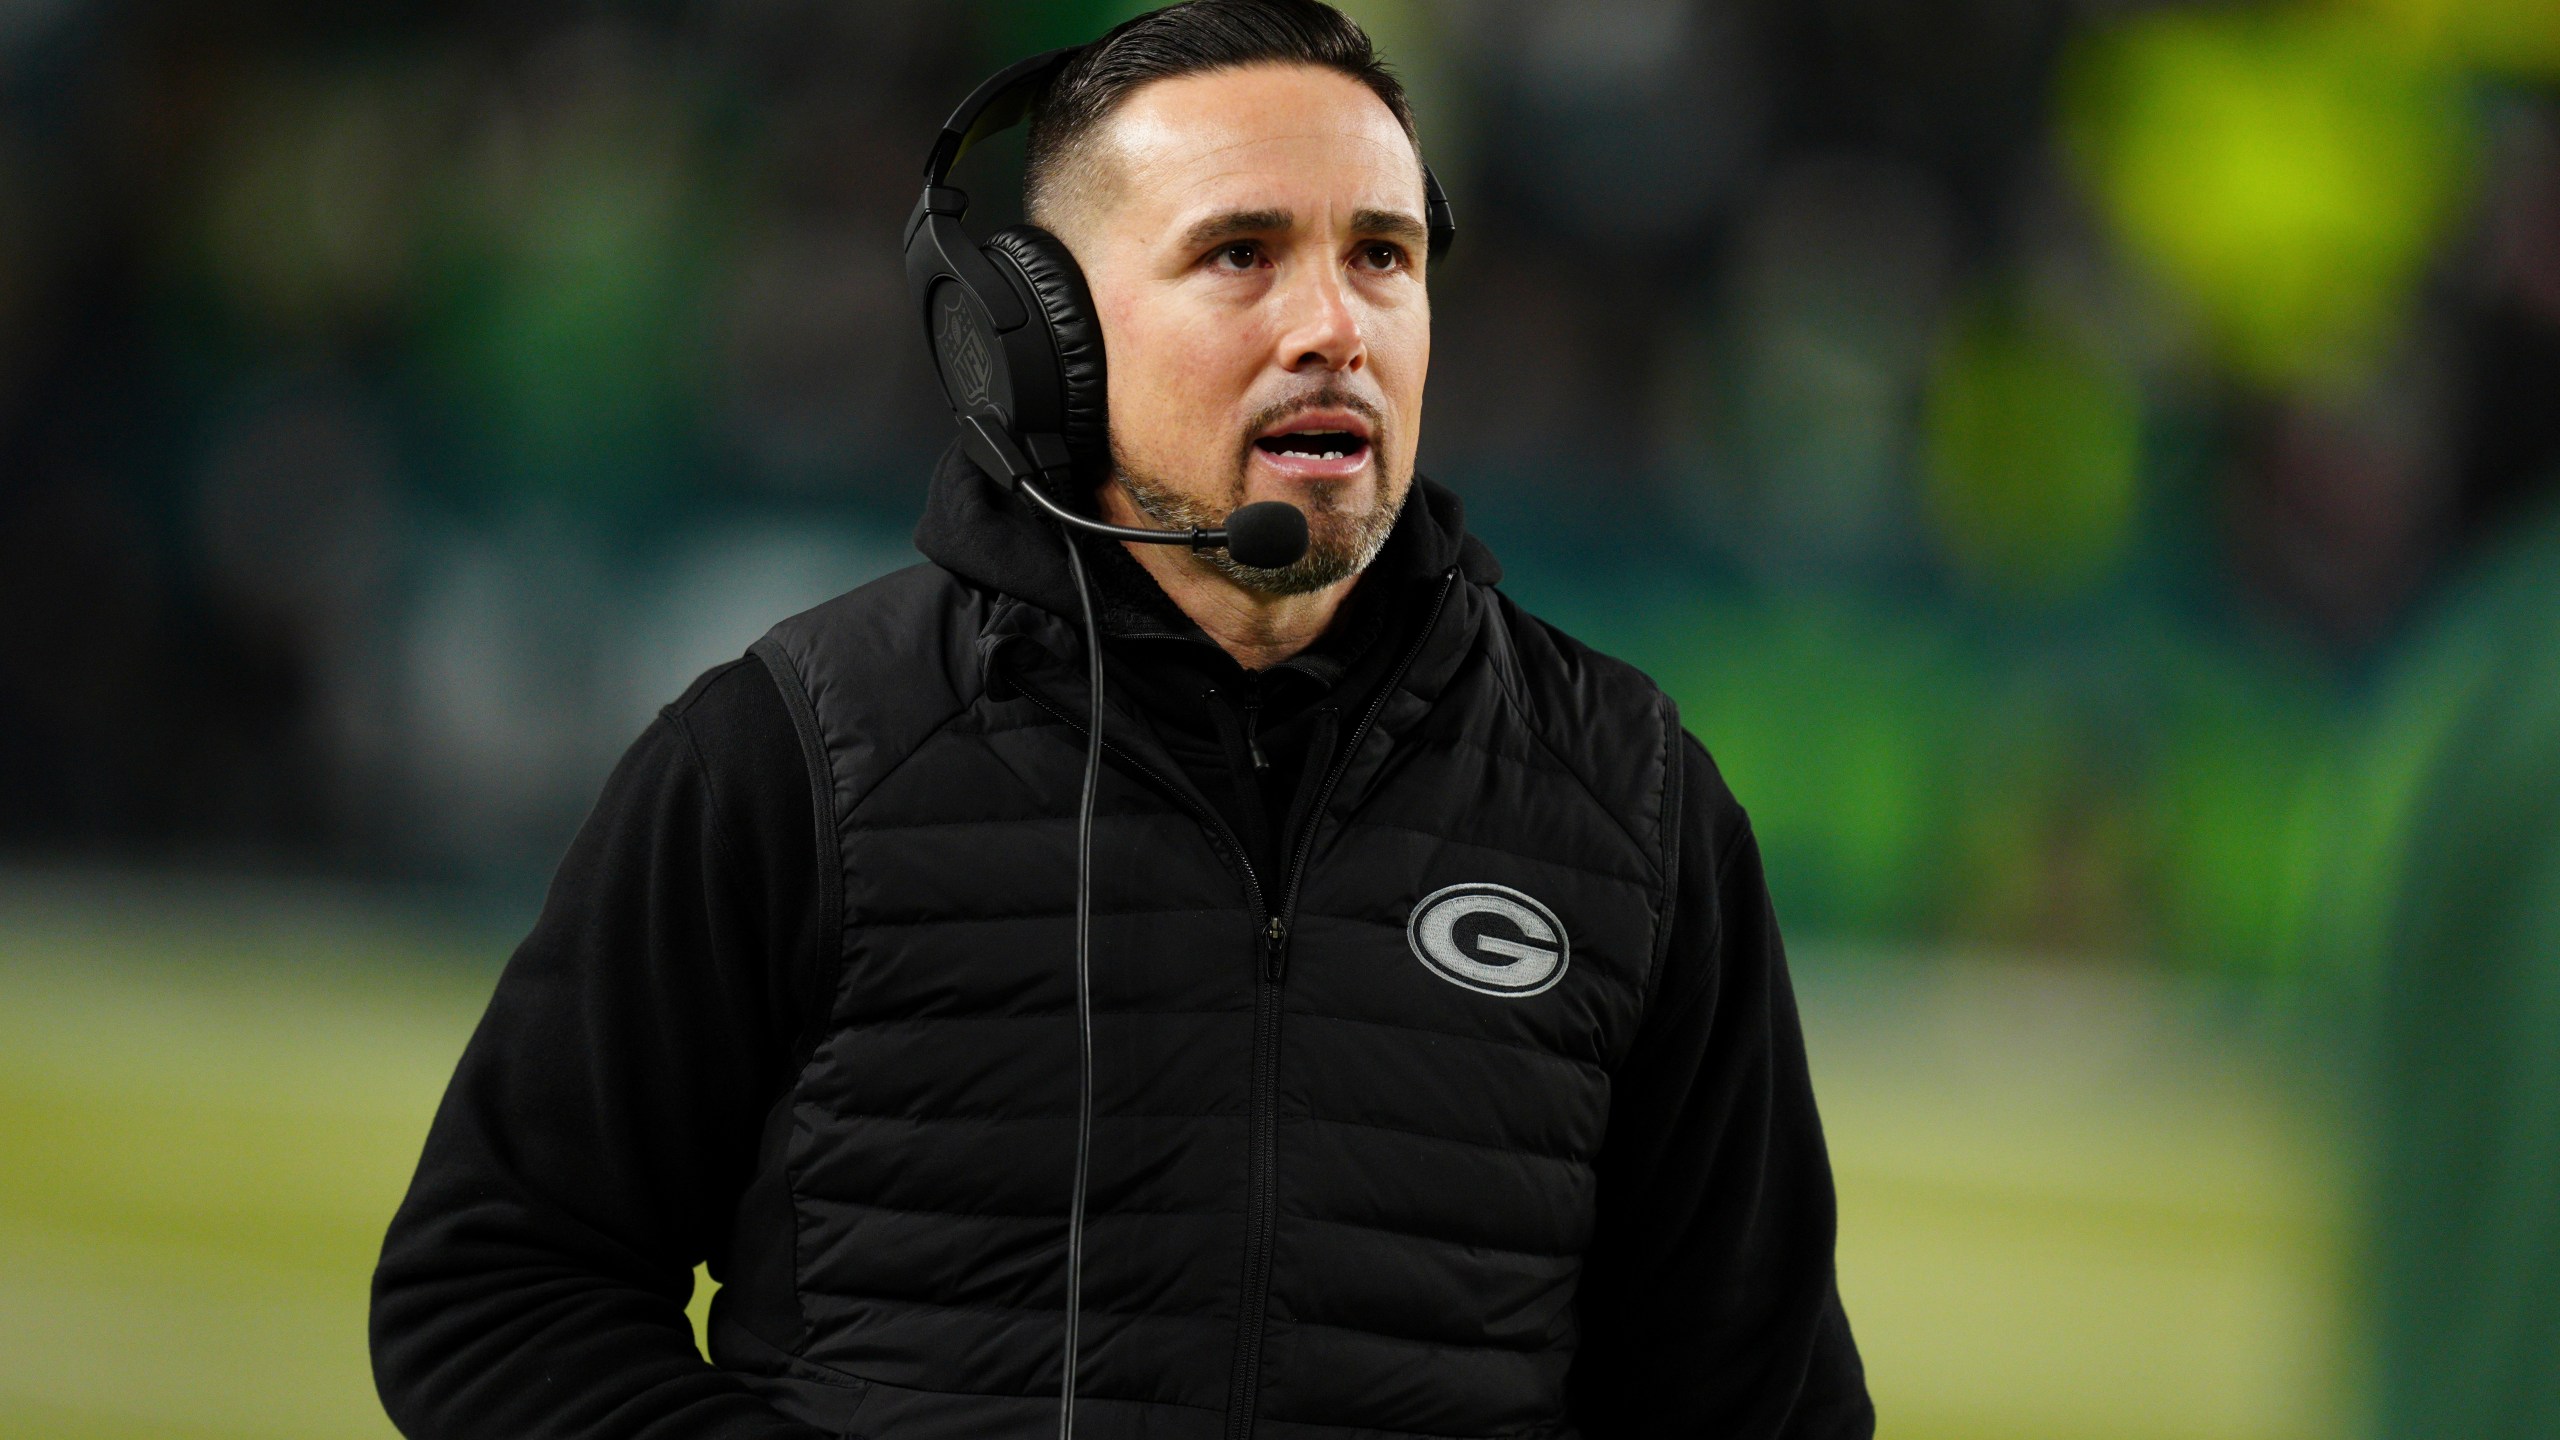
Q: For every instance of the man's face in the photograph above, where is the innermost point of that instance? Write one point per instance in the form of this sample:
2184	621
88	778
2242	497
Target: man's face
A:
1254	240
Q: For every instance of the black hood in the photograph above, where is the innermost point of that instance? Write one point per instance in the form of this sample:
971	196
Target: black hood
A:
978	531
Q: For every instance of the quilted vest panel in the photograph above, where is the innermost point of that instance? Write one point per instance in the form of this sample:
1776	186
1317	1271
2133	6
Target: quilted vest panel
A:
1341	1175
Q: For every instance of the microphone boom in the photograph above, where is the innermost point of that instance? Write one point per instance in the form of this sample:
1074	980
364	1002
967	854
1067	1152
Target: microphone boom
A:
1266	534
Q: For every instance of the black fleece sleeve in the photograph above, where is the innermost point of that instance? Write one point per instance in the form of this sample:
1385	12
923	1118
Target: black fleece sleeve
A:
603	1119
1708	1304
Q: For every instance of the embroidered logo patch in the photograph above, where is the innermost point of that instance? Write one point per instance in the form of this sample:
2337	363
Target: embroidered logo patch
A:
1489	938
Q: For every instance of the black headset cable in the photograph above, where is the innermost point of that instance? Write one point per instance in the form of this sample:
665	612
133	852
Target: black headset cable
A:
1084	984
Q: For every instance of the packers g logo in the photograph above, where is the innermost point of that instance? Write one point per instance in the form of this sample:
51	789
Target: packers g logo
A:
1490	938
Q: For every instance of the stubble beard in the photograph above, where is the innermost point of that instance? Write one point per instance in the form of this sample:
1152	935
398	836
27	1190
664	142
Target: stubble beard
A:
1342	537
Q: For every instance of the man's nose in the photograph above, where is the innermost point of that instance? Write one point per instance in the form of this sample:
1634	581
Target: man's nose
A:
1323	332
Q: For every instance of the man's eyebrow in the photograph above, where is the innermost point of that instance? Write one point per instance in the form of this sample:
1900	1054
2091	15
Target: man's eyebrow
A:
1394	225
1390	225
1230	224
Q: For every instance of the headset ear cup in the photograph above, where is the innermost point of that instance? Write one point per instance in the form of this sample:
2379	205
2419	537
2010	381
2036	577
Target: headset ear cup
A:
1075	334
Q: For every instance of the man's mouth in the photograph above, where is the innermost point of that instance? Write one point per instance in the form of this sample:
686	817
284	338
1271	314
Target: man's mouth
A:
1317	444
1321	444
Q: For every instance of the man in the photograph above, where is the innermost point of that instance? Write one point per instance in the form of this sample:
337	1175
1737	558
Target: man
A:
1448	1080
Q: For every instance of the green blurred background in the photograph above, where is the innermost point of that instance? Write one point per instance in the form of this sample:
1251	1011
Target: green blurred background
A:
2087	471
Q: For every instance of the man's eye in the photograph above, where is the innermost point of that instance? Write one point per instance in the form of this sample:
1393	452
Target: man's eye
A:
1381	256
1241	255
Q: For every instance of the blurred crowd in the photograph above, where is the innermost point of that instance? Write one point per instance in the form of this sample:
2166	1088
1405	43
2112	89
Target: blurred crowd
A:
2031	438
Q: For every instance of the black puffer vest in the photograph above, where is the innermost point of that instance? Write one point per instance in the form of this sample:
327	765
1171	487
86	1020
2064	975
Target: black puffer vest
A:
1345	1115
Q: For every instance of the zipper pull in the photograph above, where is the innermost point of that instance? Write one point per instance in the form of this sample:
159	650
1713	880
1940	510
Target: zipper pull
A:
1275	948
1252	735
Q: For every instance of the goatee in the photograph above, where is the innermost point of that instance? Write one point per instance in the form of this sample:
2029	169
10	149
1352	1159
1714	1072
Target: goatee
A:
1341	541
1342	536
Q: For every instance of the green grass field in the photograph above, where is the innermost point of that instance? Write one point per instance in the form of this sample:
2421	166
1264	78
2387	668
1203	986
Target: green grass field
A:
2070	1209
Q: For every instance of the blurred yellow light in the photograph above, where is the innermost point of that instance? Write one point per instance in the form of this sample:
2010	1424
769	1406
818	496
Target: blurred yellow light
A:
2287	172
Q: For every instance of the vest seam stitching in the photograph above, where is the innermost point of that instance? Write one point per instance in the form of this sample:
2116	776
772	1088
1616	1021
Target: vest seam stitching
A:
1388	1335
1523	1151
1045	1216
1519	1434
1526	1151
1588	789
1618	877
829	844
1016	916
1574	1256
1522	1433
968	704
1081	1395
923	743
1020	916
1099	814
914	1304
1527	1049
1065	1012
1461	741
1529	722
1415	1341
973	1119
1674	782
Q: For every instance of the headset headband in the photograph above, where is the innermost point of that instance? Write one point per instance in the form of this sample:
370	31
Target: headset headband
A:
999	102
1005	98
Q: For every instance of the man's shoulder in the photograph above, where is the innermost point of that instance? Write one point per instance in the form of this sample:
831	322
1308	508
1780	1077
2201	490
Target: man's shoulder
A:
877	671
1558	670
1631	688
913	626
884	607
886	613
1598	717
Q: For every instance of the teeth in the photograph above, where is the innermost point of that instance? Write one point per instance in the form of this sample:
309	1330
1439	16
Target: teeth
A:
1312	452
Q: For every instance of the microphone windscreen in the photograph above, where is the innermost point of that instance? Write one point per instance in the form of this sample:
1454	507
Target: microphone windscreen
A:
1267	534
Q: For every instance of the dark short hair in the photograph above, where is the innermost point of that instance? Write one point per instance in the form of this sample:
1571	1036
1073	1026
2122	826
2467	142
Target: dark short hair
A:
1190	39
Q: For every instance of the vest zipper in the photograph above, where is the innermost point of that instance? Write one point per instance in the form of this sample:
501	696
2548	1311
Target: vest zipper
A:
1287	907
1261	1201
1261	1188
1262	1104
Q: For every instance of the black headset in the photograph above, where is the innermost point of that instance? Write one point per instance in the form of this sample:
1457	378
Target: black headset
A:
1015	341
1019	353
